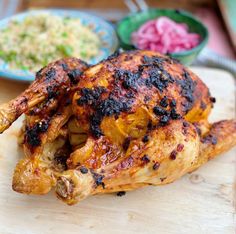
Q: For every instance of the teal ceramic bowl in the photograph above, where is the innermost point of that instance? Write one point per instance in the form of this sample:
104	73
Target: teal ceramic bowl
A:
132	22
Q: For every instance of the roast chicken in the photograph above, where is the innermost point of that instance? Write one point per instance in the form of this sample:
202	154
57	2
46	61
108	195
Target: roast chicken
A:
137	118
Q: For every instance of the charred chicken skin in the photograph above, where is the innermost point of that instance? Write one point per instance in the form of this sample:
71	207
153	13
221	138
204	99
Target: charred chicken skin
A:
137	118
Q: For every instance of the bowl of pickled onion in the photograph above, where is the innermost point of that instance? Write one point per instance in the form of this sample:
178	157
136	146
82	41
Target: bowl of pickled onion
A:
168	31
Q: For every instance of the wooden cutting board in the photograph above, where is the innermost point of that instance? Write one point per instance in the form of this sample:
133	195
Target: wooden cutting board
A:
201	202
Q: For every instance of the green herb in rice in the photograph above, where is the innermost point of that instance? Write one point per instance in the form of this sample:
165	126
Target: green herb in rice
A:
39	39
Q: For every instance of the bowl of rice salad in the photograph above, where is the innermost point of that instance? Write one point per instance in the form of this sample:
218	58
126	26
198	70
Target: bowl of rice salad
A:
31	40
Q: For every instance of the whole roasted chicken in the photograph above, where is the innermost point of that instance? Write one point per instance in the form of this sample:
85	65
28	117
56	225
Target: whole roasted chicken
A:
137	118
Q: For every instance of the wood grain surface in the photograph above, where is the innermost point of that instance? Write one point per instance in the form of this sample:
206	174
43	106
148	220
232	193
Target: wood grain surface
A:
201	202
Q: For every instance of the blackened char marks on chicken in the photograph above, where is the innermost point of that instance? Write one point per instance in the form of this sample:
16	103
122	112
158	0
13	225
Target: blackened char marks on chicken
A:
95	121
83	170
159	111
32	137
164	120
163	179
107	107
165	116
110	106
39	73
145	159
63	73
157	75
47	75
129	79
187	91
129	95
147	99
164	102
156	79
98	179
145	139
174	114
65	67
90	96
74	75
50	74
150	61
210	139
153	66
52	92
173	103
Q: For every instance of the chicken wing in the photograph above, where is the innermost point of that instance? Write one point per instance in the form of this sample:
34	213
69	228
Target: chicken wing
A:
51	82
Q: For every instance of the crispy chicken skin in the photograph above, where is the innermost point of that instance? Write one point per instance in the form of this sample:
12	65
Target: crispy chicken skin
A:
137	118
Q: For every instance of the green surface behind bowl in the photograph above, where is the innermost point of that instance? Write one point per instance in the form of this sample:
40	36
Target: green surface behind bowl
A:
131	23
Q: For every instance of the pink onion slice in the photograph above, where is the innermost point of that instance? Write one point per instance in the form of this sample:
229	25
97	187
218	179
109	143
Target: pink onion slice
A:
165	36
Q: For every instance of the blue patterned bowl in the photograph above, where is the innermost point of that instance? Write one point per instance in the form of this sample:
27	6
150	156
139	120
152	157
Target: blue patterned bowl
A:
104	30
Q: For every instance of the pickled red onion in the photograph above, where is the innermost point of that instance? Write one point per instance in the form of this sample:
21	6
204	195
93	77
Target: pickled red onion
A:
165	36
